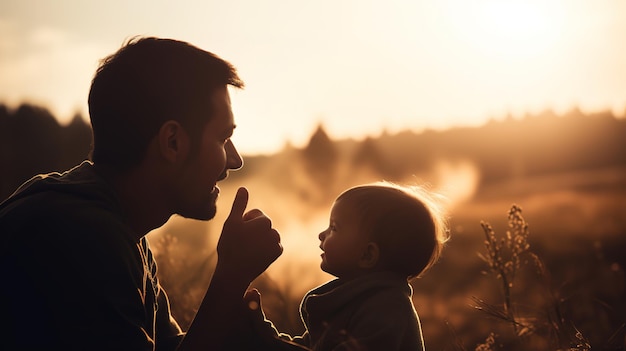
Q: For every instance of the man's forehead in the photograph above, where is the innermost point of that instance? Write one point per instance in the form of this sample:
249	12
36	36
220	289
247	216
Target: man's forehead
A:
222	115
220	95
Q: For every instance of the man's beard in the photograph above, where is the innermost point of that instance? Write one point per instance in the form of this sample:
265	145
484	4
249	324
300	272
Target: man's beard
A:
205	214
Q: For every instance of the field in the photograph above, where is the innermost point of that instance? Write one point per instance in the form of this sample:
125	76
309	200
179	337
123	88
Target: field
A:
567	174
575	297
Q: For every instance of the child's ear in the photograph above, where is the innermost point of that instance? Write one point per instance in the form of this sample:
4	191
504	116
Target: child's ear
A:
370	256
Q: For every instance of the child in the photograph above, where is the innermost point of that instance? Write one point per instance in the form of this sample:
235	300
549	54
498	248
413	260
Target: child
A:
380	236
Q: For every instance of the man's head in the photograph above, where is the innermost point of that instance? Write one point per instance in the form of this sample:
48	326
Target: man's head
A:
146	83
391	228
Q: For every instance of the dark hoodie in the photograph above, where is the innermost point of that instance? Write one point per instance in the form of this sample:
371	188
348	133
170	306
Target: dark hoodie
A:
73	276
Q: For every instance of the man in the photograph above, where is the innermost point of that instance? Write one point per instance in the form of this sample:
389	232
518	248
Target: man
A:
77	270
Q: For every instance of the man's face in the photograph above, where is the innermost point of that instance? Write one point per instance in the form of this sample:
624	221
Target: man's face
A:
214	156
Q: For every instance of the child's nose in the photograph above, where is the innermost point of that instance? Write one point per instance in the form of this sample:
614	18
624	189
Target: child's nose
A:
322	235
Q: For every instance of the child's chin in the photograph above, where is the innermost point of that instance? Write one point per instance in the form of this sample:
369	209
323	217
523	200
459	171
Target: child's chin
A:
325	268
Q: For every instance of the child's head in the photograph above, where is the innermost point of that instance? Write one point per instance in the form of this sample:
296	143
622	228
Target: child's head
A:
383	226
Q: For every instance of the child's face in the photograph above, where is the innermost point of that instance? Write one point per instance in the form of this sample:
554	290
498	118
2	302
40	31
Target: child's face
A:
343	242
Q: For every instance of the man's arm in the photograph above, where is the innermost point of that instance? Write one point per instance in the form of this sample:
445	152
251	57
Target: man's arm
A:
247	246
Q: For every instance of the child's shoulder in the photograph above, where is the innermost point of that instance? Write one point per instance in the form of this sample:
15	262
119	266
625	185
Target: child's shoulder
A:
387	306
395	294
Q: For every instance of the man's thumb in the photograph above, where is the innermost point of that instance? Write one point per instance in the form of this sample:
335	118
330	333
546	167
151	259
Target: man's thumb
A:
239	204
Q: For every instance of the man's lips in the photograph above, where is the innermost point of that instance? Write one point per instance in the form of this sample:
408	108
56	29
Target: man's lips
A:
223	176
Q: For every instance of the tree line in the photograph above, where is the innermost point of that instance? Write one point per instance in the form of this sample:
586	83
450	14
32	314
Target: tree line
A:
33	141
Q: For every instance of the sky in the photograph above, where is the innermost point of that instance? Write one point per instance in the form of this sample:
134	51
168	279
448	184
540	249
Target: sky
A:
358	67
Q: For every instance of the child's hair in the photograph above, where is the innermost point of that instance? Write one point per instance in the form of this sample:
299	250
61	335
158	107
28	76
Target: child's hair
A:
407	223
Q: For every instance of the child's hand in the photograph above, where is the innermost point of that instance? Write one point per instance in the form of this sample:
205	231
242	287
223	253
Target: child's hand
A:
270	338
252	300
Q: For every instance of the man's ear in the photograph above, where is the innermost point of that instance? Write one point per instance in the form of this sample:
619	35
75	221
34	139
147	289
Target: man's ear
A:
173	141
370	256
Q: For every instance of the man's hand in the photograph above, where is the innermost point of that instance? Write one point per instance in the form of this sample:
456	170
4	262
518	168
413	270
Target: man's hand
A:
248	243
247	246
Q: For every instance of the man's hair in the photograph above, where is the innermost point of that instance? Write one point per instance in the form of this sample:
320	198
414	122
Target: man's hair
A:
147	82
407	223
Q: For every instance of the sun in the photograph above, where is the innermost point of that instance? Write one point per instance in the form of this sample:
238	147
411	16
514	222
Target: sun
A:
513	27
516	20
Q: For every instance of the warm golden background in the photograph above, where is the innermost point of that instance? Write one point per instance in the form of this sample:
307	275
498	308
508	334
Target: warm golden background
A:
488	103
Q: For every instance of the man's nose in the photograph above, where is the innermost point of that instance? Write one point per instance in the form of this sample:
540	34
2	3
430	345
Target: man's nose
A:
233	159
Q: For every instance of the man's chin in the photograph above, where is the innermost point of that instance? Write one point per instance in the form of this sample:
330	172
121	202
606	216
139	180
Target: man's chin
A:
205	215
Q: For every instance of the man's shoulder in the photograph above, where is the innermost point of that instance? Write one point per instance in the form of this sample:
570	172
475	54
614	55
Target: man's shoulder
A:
57	206
70	193
49	224
58	219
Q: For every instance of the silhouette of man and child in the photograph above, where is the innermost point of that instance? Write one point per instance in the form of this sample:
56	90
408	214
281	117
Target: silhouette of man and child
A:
77	269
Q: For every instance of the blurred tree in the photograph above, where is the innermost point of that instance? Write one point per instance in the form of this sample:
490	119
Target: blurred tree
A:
32	142
320	157
77	139
33	139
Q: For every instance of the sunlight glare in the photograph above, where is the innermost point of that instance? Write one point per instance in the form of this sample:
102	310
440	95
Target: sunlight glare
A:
458	181
513	28
514	19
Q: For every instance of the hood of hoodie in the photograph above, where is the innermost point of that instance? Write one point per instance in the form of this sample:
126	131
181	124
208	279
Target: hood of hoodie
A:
81	181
